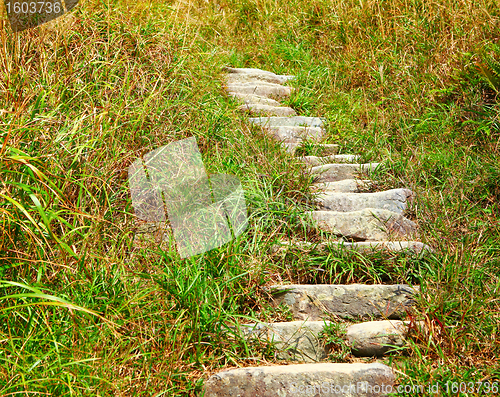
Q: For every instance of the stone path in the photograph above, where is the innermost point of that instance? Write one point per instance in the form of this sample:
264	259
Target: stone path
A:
360	221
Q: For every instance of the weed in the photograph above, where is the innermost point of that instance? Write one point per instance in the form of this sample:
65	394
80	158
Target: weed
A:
81	100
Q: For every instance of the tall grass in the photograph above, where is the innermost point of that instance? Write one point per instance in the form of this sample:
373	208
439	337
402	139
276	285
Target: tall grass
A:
82	98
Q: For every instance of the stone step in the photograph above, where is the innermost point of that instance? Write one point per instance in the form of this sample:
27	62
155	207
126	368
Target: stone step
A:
415	247
254	99
343	186
296	134
243	78
338	172
394	246
258	74
257	108
325	380
261	89
336	158
304	341
372	224
352	301
295	121
293	340
376	338
395	200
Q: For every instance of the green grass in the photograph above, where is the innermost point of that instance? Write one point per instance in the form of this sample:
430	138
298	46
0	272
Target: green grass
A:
80	101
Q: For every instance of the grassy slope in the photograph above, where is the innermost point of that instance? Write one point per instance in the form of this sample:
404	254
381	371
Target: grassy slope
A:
395	79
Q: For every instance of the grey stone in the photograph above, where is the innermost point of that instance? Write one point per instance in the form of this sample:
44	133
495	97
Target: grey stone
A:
315	302
412	247
375	338
257	108
247	71
296	134
303	380
242	78
394	200
256	74
415	247
344	186
296	121
261	89
367	224
294	340
335	158
254	99
338	172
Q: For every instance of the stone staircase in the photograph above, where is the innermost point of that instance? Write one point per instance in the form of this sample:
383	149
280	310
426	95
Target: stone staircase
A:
361	221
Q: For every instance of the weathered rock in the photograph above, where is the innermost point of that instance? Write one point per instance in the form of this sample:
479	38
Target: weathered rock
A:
413	247
367	224
375	338
294	340
296	134
394	200
301	380
257	108
296	121
242	78
251	98
257	74
261	89
315	302
336	158
344	186
338	172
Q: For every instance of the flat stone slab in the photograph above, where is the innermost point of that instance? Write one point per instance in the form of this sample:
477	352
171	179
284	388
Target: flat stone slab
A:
240	74
257	108
415	247
335	158
301	380
344	186
254	99
376	338
296	134
412	247
338	172
315	302
294	340
261	89
296	121
395	200
373	224
241	78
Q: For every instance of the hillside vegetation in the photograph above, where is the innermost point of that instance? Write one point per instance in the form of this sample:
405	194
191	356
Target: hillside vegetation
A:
83	312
